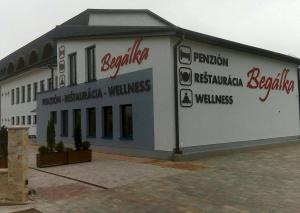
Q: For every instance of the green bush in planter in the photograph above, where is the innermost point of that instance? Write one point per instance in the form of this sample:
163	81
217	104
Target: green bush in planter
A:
86	145
51	135
60	147
3	142
43	150
77	137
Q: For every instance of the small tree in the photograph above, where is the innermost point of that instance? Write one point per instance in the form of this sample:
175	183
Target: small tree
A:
3	142
77	137
51	135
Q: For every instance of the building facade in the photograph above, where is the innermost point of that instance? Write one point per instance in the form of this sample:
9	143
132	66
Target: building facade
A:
135	83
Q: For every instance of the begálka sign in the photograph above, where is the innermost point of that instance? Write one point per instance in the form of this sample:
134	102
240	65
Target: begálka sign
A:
134	55
254	77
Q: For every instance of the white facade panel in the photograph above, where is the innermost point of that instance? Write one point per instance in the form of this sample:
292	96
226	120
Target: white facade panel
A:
124	19
9	110
159	58
255	105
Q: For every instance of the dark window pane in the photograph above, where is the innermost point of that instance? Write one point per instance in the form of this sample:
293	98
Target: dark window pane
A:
91	122
90	60
18	95
107	122
64	123
127	123
28	92
23	94
12	97
77	118
53	116
35	90
72	69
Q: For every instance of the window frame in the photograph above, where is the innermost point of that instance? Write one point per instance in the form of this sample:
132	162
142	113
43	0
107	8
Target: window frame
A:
125	135
90	66
72	68
89	132
105	134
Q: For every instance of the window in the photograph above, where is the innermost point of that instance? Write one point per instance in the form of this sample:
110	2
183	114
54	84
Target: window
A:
12	97
18	95
127	123
53	116
18	120
56	81
64	123
12	120
91	122
77	118
23	120
50	84
107	122
42	85
72	69
34	119
35	90
28	92
29	119
90	63
23	94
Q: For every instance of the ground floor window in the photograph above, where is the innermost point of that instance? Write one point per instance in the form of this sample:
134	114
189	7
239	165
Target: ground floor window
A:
126	121
53	116
64	123
107	122
91	122
76	119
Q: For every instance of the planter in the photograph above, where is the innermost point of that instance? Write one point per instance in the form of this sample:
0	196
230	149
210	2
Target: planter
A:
51	159
3	164
79	156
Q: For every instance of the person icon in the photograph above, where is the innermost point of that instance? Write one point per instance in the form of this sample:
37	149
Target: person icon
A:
186	99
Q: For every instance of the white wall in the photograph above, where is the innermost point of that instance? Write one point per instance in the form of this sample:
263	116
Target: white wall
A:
123	19
22	109
248	118
159	59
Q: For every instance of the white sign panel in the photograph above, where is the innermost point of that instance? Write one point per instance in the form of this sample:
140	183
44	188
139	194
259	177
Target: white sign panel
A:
230	96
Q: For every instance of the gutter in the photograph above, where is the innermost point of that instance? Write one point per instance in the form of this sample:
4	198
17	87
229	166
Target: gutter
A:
177	149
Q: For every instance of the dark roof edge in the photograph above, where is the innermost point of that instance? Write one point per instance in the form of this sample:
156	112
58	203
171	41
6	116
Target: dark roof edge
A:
195	36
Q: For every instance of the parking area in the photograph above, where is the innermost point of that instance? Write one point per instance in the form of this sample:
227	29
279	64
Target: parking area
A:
261	180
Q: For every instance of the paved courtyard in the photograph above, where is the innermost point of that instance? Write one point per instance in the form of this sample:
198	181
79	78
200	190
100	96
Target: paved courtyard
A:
264	180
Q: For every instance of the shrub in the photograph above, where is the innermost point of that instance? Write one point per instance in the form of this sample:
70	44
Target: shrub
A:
3	142
86	145
77	137
43	150
60	147
51	135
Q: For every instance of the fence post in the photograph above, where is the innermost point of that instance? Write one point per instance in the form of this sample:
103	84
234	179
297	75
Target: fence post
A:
17	164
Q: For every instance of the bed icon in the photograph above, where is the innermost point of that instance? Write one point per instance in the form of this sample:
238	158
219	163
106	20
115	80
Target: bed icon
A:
185	55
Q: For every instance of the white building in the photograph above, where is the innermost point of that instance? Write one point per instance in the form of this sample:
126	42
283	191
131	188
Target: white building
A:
137	84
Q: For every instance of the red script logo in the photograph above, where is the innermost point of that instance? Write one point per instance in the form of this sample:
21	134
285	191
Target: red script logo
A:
280	83
134	55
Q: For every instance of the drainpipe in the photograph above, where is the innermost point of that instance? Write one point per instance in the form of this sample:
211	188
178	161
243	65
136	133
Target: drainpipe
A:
177	149
298	76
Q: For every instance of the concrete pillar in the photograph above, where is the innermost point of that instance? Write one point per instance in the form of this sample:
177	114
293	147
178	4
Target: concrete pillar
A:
17	164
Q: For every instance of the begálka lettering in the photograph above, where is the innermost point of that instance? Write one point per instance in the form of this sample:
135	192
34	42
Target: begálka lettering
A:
279	83
206	78
210	59
133	55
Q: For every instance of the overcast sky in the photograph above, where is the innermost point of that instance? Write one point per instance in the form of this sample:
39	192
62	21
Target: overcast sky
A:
268	24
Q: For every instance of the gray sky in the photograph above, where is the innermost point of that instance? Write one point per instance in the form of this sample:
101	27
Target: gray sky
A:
268	24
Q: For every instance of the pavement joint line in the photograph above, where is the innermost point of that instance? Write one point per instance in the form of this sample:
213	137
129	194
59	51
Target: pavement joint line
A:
81	181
